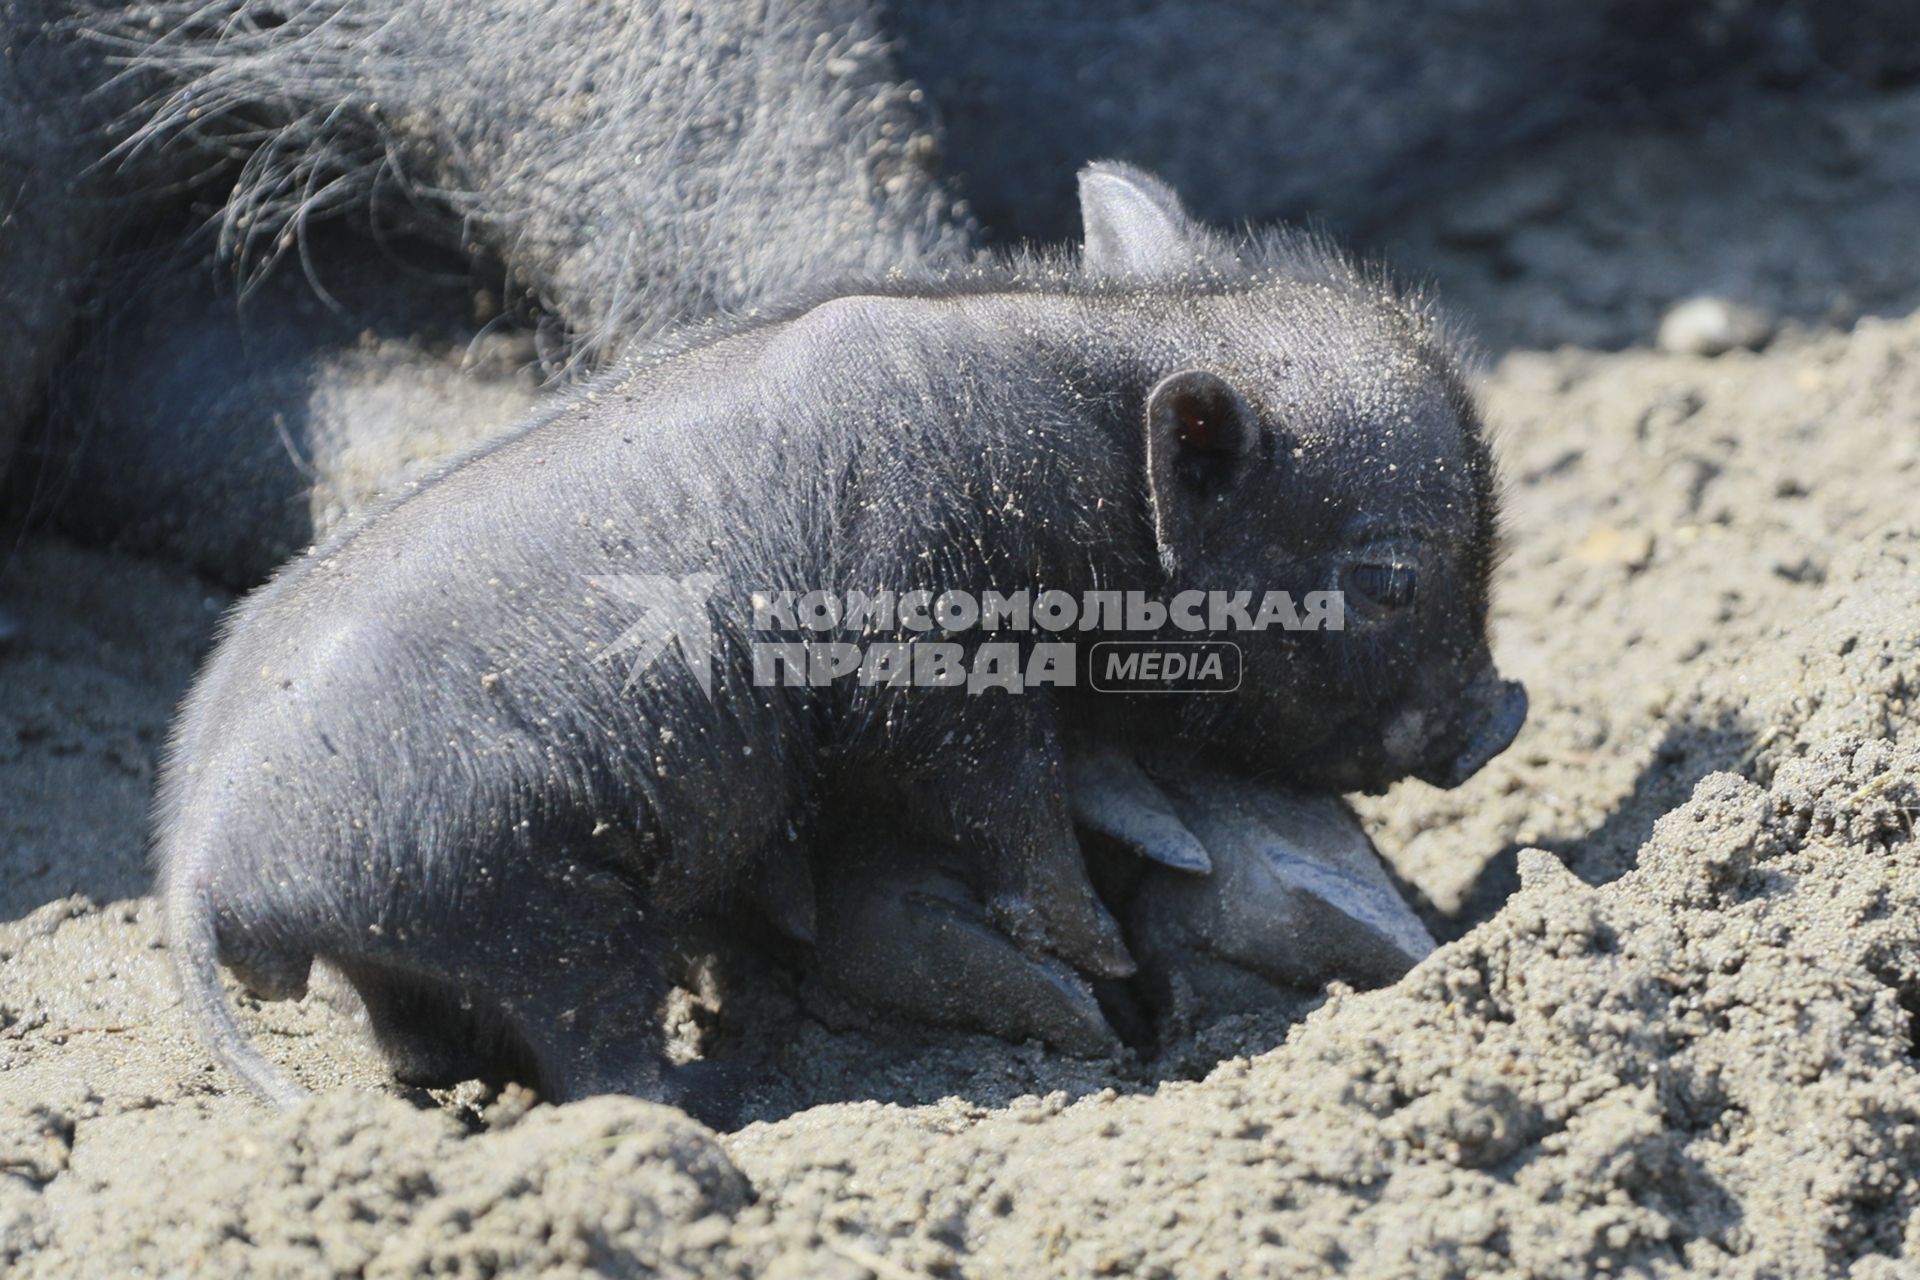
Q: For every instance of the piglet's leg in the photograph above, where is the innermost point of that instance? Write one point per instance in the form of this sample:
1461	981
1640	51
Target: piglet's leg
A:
1007	804
898	933
544	968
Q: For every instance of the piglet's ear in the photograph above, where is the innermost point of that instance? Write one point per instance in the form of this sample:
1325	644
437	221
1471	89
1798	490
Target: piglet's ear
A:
1135	225
1199	434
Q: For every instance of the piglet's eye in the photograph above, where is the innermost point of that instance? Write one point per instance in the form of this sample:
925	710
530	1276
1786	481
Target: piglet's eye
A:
1389	586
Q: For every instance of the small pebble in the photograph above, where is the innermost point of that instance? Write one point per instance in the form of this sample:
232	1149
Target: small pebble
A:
1711	326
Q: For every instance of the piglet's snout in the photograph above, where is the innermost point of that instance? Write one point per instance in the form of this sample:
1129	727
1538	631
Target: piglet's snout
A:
1493	713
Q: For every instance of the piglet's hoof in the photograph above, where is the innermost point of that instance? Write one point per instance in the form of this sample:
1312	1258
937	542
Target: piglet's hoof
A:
918	943
1110	793
1282	883
1297	895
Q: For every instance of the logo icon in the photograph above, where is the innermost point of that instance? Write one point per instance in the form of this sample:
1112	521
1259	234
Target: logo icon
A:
672	610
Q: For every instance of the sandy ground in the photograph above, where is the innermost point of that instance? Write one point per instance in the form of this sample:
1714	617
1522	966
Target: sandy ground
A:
1672	1028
